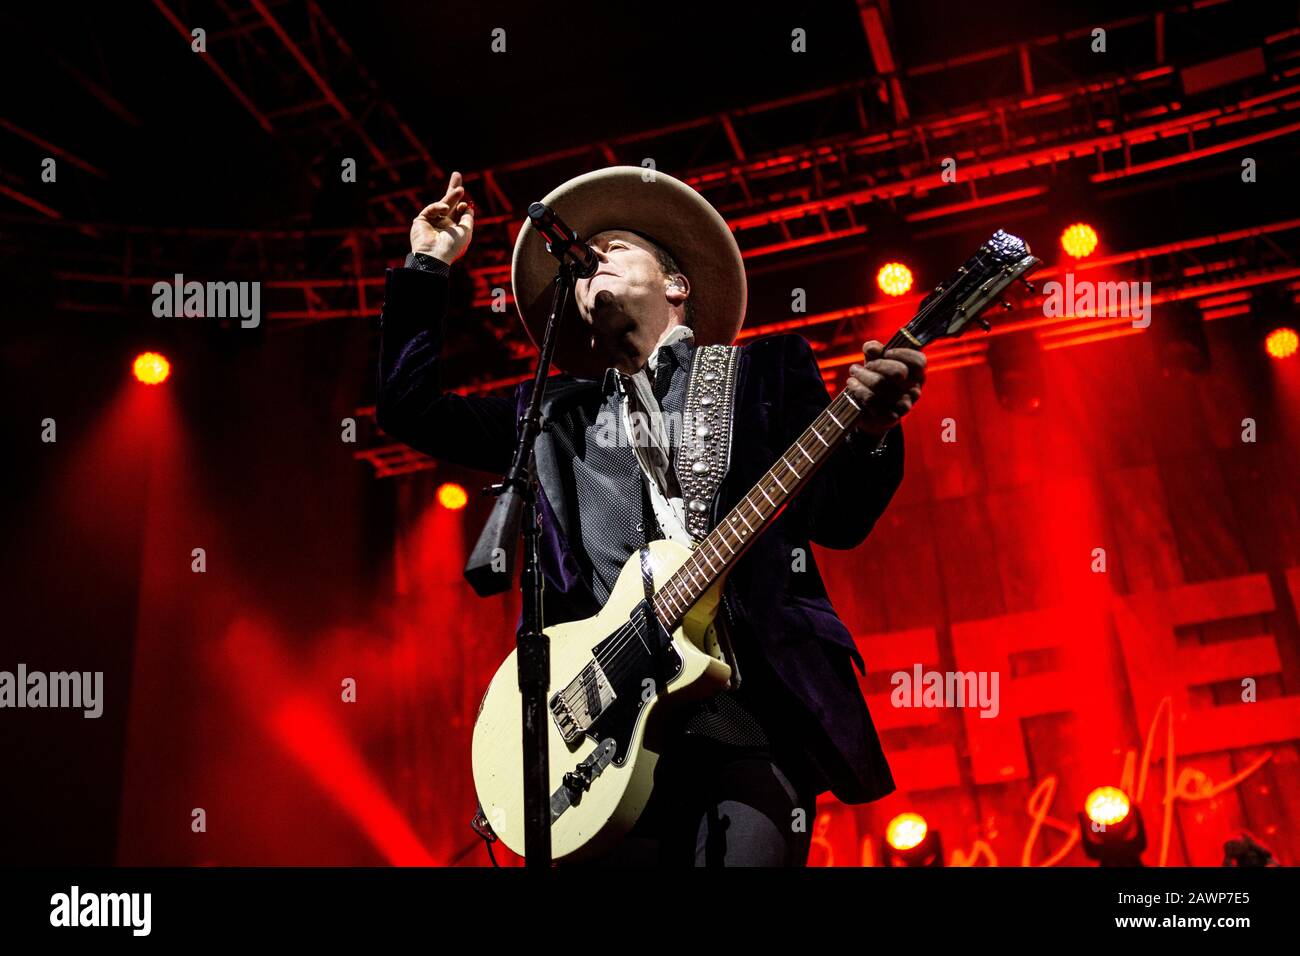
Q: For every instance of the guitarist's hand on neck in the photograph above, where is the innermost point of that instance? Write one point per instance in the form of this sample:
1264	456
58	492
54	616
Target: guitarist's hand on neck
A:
885	386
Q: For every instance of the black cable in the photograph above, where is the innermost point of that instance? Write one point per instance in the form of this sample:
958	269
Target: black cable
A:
480	825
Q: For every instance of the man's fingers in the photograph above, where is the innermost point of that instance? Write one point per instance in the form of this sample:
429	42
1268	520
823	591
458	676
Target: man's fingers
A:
869	388
863	382
887	384
911	356
442	210
896	372
453	202
435	210
860	393
455	190
865	376
914	359
453	197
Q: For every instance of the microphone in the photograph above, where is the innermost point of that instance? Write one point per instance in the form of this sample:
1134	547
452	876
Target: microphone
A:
562	242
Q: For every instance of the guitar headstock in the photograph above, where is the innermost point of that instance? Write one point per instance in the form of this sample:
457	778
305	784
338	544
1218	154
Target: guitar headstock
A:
959	301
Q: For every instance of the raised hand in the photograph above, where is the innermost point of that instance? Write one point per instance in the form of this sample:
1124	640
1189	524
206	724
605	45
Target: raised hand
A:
443	229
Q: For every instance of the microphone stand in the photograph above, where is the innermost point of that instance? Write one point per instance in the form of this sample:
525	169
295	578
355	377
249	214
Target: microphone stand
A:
517	503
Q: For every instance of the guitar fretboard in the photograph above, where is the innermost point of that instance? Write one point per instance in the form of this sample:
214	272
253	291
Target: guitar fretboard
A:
720	549
714	556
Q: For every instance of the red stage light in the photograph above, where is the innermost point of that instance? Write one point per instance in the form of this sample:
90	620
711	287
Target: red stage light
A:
1111	828
1079	240
906	831
452	496
1282	343
894	278
151	368
1107	806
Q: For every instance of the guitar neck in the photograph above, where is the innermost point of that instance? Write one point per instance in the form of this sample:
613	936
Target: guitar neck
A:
944	312
718	552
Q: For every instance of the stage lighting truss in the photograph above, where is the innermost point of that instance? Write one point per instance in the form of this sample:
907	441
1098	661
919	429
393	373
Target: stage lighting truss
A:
800	196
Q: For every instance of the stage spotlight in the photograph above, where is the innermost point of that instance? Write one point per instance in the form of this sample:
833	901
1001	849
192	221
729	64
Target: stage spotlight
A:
1108	806
1282	343
894	278
909	841
151	368
1079	240
1112	829
1016	362
1180	338
452	496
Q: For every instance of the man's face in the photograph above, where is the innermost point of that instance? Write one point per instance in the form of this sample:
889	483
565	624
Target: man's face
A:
628	287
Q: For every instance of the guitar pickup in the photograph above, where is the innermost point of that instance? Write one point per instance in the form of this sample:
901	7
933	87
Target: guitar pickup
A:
577	706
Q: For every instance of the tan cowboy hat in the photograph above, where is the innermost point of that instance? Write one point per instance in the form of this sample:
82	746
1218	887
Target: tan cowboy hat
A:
664	210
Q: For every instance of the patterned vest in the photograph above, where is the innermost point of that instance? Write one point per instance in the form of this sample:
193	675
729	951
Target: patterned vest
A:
603	478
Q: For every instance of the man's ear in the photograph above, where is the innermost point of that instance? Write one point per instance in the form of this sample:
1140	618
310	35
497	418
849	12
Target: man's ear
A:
677	288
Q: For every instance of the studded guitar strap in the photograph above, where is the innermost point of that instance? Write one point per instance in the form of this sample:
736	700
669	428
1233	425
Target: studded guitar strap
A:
704	454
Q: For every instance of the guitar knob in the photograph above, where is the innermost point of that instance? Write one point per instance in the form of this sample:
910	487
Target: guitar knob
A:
984	324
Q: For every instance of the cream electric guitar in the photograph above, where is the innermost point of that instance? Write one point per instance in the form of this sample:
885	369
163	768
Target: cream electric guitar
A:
612	673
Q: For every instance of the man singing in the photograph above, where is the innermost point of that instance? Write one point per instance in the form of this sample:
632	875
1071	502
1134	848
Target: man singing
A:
738	779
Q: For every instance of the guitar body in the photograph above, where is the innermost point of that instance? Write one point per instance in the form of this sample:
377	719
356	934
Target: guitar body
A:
632	691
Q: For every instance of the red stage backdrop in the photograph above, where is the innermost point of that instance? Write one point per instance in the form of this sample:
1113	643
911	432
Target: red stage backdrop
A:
1123	560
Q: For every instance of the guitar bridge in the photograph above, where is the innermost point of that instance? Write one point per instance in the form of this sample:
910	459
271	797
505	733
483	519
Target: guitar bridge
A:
577	706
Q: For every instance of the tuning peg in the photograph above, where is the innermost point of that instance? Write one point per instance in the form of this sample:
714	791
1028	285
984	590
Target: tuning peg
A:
984	324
